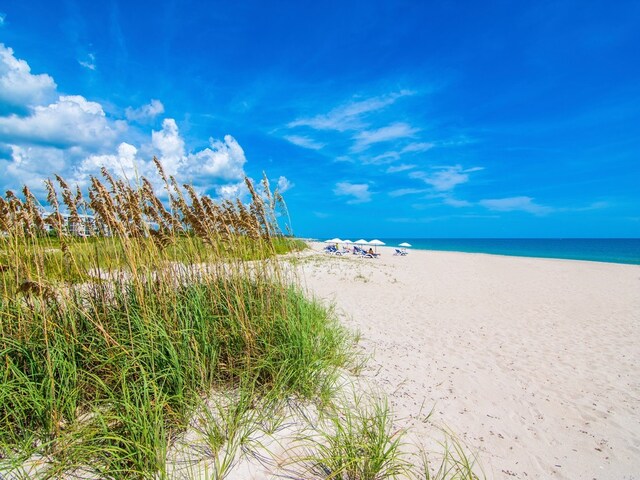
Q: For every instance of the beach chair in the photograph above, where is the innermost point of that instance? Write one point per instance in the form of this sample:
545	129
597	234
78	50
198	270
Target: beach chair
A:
330	249
364	254
400	252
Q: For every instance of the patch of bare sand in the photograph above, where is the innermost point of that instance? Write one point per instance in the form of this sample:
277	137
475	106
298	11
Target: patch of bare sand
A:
533	363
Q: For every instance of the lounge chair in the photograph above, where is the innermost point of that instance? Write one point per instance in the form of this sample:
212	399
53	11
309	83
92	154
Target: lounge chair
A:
364	254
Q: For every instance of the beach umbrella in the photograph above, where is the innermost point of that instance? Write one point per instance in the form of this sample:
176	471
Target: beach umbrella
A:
375	243
361	242
404	245
348	242
333	240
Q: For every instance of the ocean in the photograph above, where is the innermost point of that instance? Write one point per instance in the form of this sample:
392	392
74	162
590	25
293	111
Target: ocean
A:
612	250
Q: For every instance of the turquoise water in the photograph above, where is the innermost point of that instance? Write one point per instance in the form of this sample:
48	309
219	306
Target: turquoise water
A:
613	250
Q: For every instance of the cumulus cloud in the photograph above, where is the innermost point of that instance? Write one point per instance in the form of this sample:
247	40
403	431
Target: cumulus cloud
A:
222	160
232	190
511	204
25	165
445	178
394	131
124	163
218	168
170	145
43	133
349	116
72	120
145	112
304	142
19	88
358	191
284	184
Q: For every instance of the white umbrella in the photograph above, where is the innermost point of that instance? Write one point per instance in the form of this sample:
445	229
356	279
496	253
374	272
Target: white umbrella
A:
405	244
333	240
375	243
361	242
348	242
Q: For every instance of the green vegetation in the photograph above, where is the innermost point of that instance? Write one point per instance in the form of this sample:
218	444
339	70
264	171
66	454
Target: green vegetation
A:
109	344
360	444
117	344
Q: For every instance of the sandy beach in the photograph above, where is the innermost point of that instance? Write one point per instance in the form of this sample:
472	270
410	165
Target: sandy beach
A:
533	363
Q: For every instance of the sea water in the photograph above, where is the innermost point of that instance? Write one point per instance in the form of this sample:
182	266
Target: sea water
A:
614	250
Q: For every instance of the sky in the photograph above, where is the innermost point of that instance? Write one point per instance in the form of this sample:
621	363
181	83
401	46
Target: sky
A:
436	119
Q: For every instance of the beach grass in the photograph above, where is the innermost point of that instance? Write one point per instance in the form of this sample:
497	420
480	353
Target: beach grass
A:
174	316
360	442
110	343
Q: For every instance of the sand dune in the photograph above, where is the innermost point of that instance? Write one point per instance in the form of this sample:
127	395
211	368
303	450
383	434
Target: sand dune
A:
534	363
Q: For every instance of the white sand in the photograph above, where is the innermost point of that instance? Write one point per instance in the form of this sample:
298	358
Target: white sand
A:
534	363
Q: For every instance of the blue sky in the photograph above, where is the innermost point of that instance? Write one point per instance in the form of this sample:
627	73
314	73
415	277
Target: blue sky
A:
375	119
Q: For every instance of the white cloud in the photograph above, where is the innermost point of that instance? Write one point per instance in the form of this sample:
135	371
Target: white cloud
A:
26	165
446	178
359	191
284	184
42	134
170	145
384	134
72	120
417	147
383	158
304	142
222	160
219	168
400	168
232	190
19	89
124	164
391	156
401	192
510	204
89	62
454	202
145	112
349	116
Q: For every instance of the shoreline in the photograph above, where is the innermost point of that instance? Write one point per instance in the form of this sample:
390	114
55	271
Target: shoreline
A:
529	362
391	248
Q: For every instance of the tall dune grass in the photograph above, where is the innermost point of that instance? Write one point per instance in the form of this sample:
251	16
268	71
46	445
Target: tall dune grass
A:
109	343
115	346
